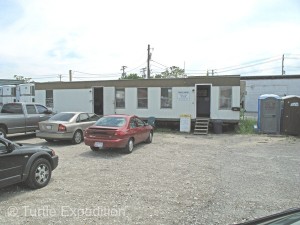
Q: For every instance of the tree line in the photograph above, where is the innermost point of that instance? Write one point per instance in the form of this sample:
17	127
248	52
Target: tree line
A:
170	72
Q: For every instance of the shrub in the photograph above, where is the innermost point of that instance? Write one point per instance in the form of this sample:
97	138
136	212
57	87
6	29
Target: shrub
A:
246	126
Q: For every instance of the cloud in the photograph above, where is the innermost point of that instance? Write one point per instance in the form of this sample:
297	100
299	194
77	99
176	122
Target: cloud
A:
50	37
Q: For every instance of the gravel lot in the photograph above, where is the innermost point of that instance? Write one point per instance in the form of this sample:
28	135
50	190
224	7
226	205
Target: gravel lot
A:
178	179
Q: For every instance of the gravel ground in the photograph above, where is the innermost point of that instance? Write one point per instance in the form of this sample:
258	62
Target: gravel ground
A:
178	179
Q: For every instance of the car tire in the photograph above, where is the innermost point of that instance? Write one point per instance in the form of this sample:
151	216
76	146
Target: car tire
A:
39	174
129	147
77	137
49	140
150	137
94	149
3	132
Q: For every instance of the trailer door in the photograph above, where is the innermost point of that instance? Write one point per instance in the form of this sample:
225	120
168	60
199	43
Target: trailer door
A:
203	100
98	100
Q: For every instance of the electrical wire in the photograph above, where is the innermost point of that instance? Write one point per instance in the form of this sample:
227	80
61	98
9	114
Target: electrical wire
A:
243	67
136	67
160	64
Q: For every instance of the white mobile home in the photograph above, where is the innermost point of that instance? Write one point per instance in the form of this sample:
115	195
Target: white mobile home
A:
26	92
7	94
213	97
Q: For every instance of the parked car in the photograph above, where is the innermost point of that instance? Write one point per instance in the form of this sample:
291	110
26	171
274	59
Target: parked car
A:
21	117
118	131
66	126
32	164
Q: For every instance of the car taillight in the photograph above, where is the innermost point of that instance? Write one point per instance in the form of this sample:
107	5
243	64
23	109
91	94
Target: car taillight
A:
62	127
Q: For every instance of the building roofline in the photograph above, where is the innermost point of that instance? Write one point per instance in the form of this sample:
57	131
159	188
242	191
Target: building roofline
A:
270	77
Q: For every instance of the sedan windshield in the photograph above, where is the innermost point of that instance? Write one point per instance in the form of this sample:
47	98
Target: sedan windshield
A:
62	117
111	122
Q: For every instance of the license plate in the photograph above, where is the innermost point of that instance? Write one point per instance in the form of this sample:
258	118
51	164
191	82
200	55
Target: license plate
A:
98	144
48	127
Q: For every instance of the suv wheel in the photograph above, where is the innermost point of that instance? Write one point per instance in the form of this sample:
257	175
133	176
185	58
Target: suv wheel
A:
39	174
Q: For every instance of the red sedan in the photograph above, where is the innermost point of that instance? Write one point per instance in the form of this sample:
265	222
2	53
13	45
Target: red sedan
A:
118	131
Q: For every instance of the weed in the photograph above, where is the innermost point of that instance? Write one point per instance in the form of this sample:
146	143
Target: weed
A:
246	126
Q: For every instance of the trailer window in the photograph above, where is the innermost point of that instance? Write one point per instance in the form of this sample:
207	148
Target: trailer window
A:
120	98
225	98
166	98
142	95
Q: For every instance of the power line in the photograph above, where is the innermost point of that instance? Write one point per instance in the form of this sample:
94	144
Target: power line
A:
251	62
137	67
243	67
160	64
158	67
96	74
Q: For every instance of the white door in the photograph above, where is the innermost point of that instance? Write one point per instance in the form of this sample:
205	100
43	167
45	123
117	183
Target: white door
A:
109	100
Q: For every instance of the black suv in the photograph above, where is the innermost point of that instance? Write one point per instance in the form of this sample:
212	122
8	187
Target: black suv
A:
31	164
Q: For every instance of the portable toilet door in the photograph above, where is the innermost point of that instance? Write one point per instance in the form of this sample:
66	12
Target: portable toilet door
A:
291	115
8	93
26	92
269	113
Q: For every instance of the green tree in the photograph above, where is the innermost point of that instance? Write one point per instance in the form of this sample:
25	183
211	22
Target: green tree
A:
171	72
132	76
25	79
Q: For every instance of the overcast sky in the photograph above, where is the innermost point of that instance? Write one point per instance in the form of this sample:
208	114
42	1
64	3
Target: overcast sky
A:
44	39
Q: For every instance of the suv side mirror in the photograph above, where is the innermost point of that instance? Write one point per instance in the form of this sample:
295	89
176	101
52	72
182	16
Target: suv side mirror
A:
10	147
49	111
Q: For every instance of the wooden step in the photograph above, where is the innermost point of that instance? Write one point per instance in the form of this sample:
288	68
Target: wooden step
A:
201	126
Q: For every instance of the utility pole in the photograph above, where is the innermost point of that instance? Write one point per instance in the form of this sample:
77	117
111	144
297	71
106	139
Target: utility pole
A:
143	71
148	62
282	66
212	72
60	76
123	73
70	75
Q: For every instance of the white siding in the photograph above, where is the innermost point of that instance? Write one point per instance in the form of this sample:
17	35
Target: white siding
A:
280	87
178	107
215	113
40	97
73	100
108	100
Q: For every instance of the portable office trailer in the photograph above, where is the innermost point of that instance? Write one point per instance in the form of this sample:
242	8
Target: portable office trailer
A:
8	94
26	92
215	97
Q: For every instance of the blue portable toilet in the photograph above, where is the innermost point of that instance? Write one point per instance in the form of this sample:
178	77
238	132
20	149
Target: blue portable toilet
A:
269	114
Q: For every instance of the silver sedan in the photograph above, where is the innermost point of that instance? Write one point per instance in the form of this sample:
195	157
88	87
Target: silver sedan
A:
66	126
